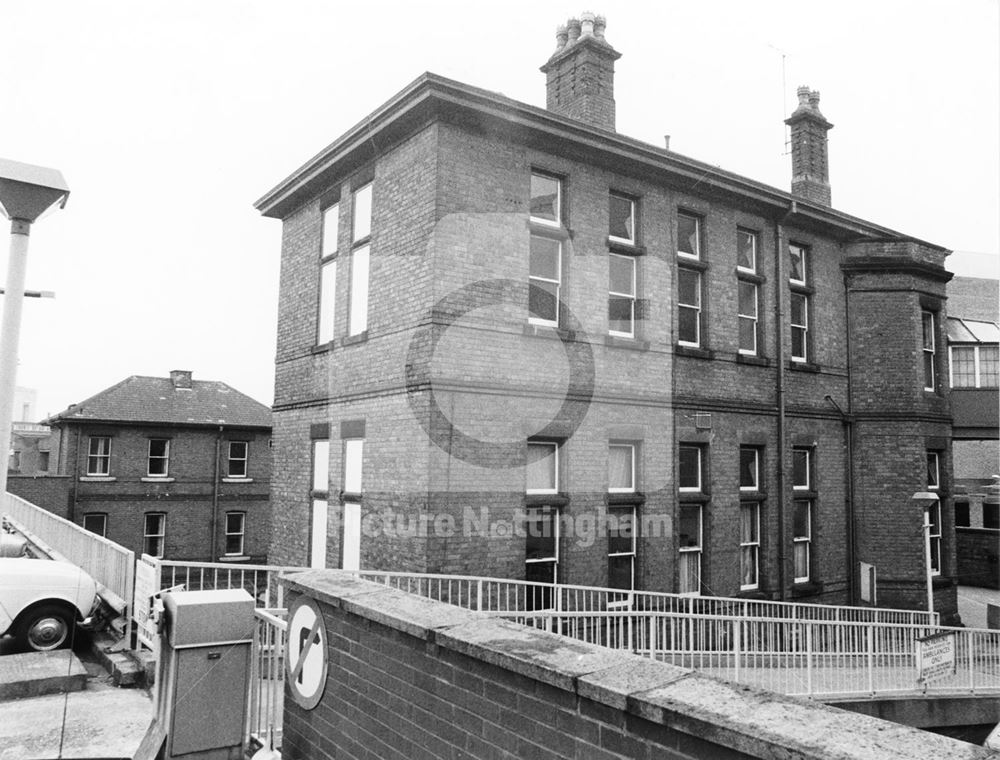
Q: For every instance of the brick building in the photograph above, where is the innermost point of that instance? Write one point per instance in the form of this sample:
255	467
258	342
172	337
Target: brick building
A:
514	342
174	467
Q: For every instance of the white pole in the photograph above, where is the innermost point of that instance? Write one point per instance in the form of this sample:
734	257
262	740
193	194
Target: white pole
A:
927	558
13	300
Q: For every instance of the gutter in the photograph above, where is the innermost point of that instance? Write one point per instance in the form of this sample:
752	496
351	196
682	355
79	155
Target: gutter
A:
780	296
850	528
213	553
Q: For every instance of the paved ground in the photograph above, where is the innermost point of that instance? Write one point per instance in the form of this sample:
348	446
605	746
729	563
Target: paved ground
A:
972	602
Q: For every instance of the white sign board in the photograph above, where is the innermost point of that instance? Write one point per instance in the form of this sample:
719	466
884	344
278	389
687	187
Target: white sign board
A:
935	657
306	655
147	582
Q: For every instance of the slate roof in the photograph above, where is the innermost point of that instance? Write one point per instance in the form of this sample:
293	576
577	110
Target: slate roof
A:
140	399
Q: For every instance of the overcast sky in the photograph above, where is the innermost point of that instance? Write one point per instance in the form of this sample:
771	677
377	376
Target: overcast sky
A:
170	119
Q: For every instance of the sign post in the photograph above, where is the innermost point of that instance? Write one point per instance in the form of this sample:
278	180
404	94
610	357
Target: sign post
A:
306	655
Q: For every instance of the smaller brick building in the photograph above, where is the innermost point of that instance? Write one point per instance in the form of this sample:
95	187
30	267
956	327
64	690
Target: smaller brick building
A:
173	467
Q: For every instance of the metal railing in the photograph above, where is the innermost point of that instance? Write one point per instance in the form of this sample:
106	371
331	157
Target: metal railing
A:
108	563
496	594
267	679
820	659
260	581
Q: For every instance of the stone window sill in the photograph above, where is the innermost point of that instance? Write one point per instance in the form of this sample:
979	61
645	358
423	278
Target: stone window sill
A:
97	479
694	352
156	480
237	480
618	341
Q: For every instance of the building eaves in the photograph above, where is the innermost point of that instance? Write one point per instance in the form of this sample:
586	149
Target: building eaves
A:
429	96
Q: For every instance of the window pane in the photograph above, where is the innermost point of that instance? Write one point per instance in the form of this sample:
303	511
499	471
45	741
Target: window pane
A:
359	291
962	514
234	522
689	468
933	471
321	465
748	299
688	237
748	335
798	343
689	287
621	461
353	454
989	366
545	198
540	534
620	572
963	366
331	226
363	212
545	258
927	320
748	468
687	325
800	468
621	218
797	263
327	299
237	459
689	571
800	309
746	250
801	519
621	274
621	315
543	300
540	472
800	558
689	529
621	531
749	523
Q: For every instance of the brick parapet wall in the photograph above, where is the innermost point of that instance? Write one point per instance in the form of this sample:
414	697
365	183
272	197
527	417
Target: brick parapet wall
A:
976	550
412	678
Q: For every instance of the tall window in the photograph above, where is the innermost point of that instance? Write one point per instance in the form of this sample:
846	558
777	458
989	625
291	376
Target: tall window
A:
749	468
320	505
351	535
235	525
621	227
159	458
688	236
546	199
43	461
688	307
99	455
96	522
975	366
237	462
328	274
621	468
934	511
154	534
689	468
749	544
621	550
928	322
802	509
544	279
746	251
621	295
542	470
748	319
360	255
353	457
799	283
541	554
689	533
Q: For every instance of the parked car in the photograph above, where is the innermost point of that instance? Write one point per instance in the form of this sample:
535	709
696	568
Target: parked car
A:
42	600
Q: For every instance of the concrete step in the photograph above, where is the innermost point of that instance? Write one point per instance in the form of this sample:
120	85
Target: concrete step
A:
33	674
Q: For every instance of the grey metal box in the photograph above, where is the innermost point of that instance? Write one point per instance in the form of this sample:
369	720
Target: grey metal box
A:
208	617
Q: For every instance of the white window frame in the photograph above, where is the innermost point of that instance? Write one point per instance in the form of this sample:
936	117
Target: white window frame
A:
557	282
241	533
557	223
696	255
555	464
803	328
632	469
752	269
553	559
804	258
350	546
934	486
687	552
753	319
976	368
331	230
756	469
630	296
631	554
361	213
326	327
807	486
90	516
245	459
360	265
165	459
99	457
632	219
160	536
354	449
803	543
693	307
701	469
750	547
318	533
929	349
321	465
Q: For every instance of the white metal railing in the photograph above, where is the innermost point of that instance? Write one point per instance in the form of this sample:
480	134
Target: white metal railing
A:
496	594
260	581
108	563
267	679
824	659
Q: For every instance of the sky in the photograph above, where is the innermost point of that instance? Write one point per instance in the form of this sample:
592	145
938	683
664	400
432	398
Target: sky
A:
168	120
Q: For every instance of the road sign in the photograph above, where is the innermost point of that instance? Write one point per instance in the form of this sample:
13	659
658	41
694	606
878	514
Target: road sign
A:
305	653
935	657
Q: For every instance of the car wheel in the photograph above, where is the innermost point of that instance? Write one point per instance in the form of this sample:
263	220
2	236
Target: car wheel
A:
45	628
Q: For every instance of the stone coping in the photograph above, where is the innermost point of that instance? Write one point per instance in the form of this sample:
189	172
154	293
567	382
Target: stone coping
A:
749	720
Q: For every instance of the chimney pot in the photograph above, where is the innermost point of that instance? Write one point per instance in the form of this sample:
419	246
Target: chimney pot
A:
587	24
573	27
814	99
562	35
600	24
666	142
803	93
181	378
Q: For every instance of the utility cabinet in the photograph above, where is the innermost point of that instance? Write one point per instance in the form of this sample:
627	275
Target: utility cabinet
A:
204	673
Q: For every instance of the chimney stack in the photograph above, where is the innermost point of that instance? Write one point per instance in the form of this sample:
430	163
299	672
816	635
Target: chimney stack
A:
810	165
581	72
181	378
